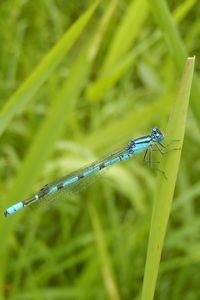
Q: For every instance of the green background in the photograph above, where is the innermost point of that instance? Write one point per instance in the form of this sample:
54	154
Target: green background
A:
77	82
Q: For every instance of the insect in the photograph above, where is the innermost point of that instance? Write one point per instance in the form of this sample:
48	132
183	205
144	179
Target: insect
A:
135	146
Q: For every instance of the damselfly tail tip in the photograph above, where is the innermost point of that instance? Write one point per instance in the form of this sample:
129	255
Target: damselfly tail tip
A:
6	213
13	209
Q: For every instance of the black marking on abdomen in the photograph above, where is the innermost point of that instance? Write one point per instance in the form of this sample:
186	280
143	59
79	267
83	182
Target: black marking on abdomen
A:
60	186
81	176
101	166
43	191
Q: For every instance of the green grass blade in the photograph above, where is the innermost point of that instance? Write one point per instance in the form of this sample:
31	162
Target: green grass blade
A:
21	97
107	272
121	55
165	188
116	72
166	23
137	11
176	45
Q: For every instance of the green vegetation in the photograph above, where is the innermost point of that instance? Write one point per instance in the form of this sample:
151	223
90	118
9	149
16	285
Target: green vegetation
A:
80	79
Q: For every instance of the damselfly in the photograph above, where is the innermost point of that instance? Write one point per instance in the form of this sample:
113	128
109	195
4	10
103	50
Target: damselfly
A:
145	143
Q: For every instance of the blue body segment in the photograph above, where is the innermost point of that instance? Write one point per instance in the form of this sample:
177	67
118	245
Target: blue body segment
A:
135	146
70	181
11	210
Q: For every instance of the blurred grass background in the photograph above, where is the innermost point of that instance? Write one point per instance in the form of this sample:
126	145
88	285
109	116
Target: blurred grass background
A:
78	81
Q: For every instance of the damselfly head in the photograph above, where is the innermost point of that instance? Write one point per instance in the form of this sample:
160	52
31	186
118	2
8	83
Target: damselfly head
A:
157	135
